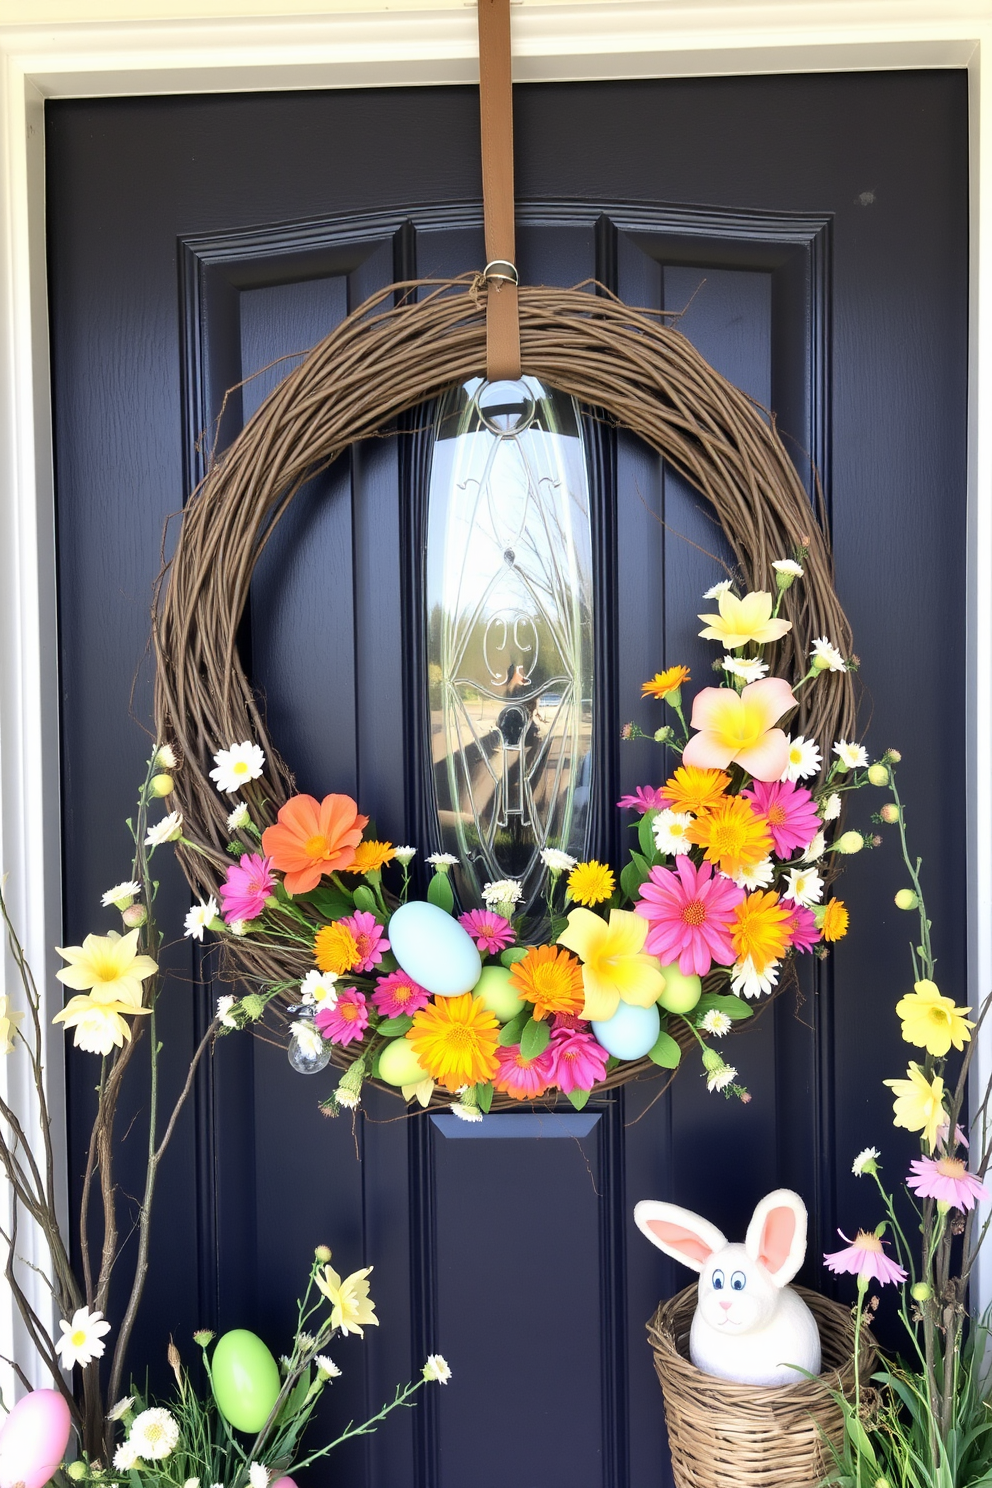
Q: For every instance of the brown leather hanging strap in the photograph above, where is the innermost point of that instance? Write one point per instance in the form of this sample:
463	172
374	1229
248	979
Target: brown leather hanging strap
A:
496	101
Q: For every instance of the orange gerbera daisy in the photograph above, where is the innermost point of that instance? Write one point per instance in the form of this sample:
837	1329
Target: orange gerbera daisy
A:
732	835
835	920
694	789
455	1041
760	929
336	949
550	979
662	683
370	856
311	838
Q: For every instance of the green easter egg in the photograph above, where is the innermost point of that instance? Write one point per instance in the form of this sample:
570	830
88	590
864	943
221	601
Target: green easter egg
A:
245	1379
398	1064
497	993
681	992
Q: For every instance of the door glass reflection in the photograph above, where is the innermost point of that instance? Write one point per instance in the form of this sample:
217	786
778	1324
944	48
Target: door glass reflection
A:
510	637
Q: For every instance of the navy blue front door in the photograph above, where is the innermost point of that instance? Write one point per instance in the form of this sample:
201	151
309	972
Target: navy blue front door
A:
814	230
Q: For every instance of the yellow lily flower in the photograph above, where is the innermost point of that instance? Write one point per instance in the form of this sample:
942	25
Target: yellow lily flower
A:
744	620
616	967
919	1104
9	1022
351	1305
740	727
97	1021
933	1022
109	965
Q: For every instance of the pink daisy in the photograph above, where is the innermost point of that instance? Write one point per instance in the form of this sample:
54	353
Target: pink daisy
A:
689	912
645	798
864	1257
369	938
790	812
347	1020
248	885
491	932
803	929
946	1179
397	994
524	1079
578	1061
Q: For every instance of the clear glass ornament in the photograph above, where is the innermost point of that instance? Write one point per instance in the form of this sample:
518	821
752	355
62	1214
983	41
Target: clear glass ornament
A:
308	1053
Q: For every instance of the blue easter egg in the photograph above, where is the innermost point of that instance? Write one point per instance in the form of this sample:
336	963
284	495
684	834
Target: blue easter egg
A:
434	949
631	1032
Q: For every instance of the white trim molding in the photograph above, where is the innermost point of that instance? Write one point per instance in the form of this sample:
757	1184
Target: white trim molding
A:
127	47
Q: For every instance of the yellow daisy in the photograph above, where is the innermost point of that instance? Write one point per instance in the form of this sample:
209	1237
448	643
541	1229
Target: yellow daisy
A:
732	835
695	790
760	929
550	979
335	949
371	856
591	883
933	1022
919	1104
455	1040
666	682
835	920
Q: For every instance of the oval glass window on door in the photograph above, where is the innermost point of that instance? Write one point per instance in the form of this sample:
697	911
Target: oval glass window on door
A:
509	631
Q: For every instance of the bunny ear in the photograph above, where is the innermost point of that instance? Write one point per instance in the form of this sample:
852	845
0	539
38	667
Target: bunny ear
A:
685	1236
776	1235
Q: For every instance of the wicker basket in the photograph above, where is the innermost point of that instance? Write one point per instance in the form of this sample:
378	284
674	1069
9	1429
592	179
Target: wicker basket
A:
725	1435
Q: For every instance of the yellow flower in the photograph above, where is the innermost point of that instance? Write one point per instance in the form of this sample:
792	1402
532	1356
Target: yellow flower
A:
109	965
733	835
835	920
8	1025
663	683
335	949
760	930
695	790
933	1022
351	1305
371	856
616	968
98	1024
744	620
919	1104
550	979
591	883
741	726
455	1039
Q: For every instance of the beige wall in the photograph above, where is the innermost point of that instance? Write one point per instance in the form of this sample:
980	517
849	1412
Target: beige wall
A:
56	12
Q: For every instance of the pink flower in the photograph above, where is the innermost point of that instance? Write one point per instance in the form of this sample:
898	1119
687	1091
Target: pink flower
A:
524	1079
347	1020
947	1180
645	798
864	1257
248	885
790	812
740	727
689	912
397	994
803	929
577	1060
491	932
369	938
571	1021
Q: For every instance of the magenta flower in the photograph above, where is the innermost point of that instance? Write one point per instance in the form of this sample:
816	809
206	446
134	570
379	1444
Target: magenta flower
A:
803	929
491	932
524	1079
369	938
397	994
864	1256
248	885
689	912
578	1061
347	1020
645	798
571	1021
790	811
947	1180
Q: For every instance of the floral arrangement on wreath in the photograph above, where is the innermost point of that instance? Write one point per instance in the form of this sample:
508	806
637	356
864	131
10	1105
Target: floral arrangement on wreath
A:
727	883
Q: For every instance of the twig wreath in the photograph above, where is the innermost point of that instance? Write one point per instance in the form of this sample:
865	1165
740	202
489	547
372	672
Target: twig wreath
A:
392	353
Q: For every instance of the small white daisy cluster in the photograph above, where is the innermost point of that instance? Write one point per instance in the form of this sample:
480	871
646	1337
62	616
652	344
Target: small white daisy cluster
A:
502	896
153	1436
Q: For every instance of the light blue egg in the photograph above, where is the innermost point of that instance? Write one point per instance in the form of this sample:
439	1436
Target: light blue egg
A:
631	1032
434	949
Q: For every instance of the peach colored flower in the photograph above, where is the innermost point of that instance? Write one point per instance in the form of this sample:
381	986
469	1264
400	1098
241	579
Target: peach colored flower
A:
740	728
311	838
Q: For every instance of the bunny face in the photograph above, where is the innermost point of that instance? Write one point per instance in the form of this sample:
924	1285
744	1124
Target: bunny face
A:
736	1294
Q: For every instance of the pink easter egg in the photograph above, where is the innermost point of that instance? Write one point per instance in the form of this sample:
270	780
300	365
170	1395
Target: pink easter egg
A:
33	1439
283	1483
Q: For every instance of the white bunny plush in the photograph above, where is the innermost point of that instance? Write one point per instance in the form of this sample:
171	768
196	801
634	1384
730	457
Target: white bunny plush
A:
748	1325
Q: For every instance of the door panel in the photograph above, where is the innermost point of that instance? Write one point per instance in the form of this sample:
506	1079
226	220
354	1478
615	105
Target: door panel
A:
740	204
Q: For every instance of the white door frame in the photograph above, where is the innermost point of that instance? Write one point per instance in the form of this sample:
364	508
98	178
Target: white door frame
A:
373	46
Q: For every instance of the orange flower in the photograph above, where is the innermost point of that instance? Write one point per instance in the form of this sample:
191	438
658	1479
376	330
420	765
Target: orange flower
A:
662	683
370	856
550	979
311	838
695	790
733	835
335	949
760	929
835	920
455	1041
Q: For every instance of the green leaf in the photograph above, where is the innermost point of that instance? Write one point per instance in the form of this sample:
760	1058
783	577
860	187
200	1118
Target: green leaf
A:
631	879
329	903
721	1002
439	893
612	1063
645	836
558	926
394	1027
515	953
578	1098
374	1072
484	1097
534	1039
510	1032
665	1052
365	899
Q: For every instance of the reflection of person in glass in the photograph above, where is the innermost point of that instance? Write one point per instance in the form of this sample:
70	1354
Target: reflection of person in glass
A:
519	735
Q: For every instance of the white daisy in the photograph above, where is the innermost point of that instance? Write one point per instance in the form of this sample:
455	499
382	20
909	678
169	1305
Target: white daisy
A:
239	817
826	657
121	1408
349	1099
805	886
437	1368
749	669
165	757
404	855
851	756
224	1006
830	810
504	892
154	1434
199	919
670	830
121	895
466	1112
816	849
718	1079
125	1457
308	1040
865	1161
444	861
169	829
557	861
804	759
788	566
238	927
758	877
716	1023
192	1483
236	766
82	1338
327	1367
317	989
717	589
258	1476
747	982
